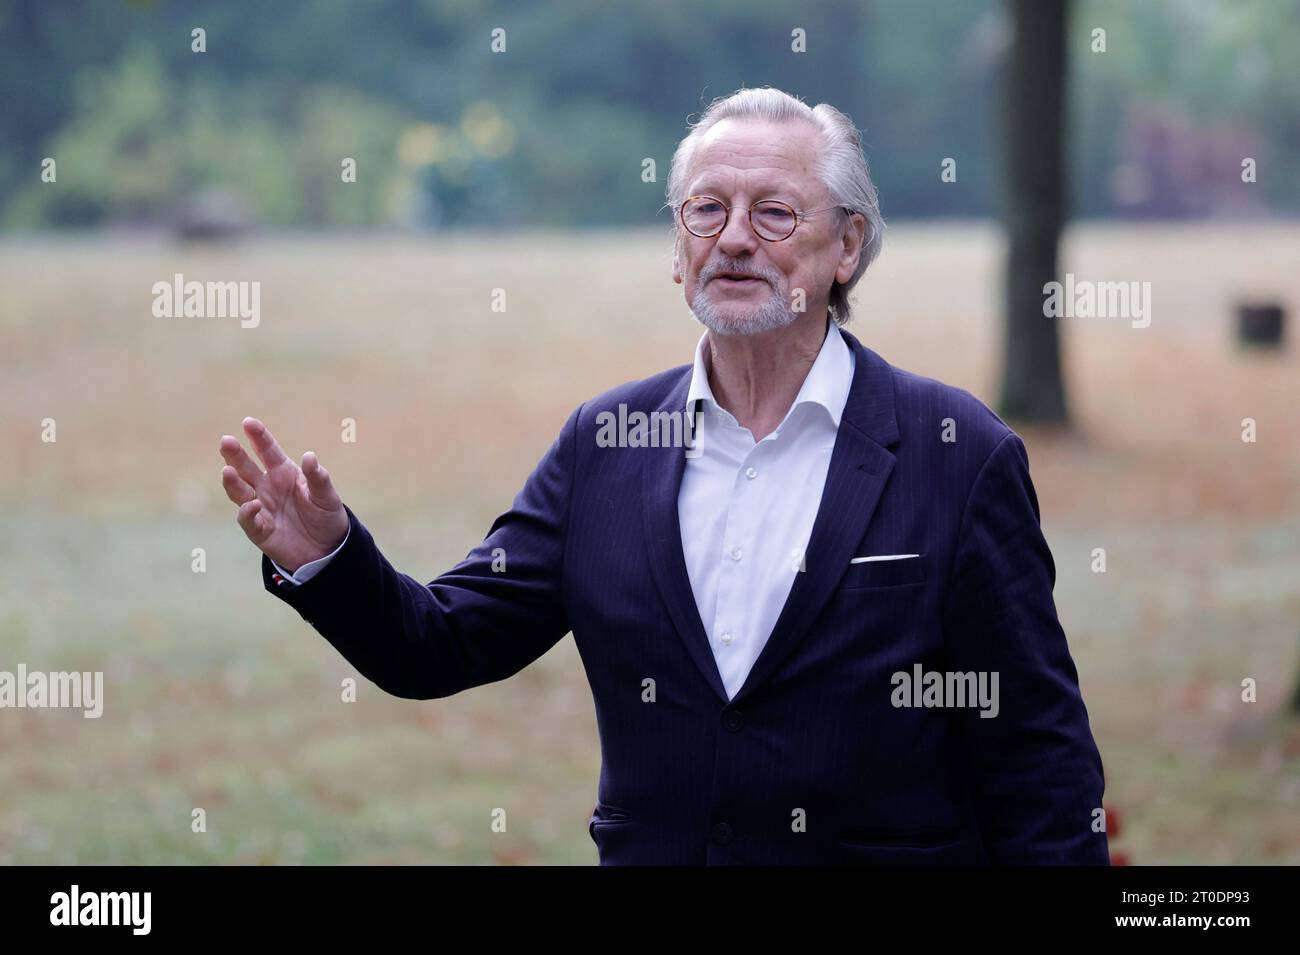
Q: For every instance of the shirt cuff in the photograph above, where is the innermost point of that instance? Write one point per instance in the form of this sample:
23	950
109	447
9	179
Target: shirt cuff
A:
313	567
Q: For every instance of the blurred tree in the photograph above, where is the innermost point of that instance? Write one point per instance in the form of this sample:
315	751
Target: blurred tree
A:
136	147
591	90
1034	117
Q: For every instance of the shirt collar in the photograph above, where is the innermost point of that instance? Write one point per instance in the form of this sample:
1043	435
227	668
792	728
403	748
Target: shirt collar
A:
827	384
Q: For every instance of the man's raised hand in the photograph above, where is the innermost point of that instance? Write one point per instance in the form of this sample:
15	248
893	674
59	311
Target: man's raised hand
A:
293	514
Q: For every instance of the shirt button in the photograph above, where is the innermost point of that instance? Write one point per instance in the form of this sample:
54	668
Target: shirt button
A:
727	638
735	553
751	473
723	834
733	721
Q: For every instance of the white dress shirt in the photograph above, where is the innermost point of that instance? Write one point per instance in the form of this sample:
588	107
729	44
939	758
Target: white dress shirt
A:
746	508
313	567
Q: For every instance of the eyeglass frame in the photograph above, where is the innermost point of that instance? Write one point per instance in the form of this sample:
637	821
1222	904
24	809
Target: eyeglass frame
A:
798	216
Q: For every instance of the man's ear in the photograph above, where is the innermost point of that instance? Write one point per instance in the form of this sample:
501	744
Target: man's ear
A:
677	261
854	240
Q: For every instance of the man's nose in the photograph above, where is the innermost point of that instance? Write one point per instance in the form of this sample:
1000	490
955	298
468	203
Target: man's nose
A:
738	235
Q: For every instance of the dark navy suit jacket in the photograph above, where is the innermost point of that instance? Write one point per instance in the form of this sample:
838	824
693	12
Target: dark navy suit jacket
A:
811	761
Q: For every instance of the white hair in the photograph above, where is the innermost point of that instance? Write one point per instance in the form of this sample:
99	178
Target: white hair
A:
841	166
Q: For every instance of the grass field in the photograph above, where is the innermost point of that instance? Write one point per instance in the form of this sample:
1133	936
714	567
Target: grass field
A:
218	696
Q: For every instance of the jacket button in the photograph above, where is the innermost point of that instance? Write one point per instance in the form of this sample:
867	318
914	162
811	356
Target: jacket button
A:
723	833
733	720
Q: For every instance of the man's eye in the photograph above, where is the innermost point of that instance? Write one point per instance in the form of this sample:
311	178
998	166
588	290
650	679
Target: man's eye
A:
708	208
776	213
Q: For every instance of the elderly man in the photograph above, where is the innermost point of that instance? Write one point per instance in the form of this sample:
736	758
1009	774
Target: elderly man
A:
819	629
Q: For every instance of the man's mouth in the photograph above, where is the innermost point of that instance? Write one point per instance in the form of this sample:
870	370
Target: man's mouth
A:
736	279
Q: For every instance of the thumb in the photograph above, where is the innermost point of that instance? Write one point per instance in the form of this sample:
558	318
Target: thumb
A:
320	489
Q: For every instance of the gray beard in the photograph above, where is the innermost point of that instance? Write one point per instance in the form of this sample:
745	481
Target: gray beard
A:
769	316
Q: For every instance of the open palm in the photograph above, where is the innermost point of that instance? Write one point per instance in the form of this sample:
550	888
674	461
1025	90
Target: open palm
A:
293	514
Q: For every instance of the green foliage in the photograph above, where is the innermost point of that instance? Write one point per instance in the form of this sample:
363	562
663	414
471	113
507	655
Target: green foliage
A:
135	145
137	121
1219	65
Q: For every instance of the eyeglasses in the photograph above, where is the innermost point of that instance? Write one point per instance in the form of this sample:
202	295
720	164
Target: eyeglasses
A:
771	219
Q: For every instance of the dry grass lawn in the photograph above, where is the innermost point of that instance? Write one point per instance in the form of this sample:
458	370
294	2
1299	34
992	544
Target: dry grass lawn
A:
219	697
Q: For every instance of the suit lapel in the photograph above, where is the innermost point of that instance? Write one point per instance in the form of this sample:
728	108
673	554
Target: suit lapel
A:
661	481
859	469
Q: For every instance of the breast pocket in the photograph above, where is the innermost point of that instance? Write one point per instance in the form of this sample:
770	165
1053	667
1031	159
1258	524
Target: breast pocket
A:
895	572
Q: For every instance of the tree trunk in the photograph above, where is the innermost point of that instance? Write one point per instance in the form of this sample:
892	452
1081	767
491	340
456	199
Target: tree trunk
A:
1035	188
1295	696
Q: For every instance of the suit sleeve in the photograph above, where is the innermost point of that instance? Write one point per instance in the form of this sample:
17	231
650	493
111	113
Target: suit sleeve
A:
310	569
488	617
1035	769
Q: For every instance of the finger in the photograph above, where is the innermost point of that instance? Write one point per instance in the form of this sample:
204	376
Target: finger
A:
237	489
264	443
251	520
320	489
238	458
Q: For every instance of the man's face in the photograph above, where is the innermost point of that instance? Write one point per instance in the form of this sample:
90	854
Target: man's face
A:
741	162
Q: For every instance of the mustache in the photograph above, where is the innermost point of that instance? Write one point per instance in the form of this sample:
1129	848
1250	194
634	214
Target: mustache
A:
720	270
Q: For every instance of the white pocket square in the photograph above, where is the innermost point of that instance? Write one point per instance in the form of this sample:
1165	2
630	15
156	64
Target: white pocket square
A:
863	560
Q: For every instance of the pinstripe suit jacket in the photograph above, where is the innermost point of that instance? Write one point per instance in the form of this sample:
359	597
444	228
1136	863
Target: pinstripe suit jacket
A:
815	759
